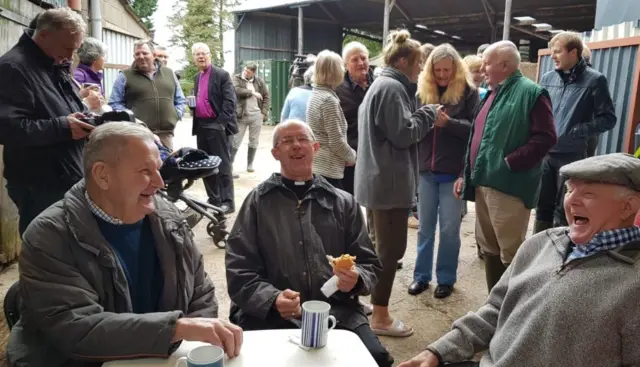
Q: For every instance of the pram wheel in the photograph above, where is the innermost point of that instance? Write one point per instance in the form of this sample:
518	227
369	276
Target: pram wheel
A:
219	233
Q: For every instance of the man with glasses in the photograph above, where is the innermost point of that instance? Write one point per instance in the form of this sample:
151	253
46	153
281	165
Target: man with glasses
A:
276	253
214	123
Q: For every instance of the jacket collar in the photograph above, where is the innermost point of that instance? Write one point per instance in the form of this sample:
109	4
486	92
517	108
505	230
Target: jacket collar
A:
34	50
84	227
575	72
320	189
629	253
97	76
353	85
394	73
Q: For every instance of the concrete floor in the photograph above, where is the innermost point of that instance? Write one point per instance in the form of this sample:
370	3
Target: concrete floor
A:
430	317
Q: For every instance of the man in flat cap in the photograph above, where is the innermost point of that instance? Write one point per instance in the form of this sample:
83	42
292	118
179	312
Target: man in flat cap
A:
571	296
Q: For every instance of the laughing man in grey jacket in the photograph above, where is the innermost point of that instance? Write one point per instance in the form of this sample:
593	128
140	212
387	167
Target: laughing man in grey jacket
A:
571	296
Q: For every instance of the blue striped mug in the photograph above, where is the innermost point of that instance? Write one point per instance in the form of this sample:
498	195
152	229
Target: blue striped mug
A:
315	324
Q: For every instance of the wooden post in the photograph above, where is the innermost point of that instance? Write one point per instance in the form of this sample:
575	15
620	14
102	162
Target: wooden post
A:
75	4
300	31
385	22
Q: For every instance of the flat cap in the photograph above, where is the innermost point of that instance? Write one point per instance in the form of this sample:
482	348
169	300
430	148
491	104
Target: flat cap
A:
615	168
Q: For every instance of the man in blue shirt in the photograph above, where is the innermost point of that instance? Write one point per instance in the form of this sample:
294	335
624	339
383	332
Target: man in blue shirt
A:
112	271
152	91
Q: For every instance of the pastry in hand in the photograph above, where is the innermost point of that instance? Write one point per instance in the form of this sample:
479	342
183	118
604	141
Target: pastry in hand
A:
344	262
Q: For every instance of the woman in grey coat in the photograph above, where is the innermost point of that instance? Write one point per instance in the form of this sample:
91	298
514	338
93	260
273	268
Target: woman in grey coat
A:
386	177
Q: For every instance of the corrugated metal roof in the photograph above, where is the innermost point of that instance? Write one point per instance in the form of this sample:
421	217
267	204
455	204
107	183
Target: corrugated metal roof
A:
618	64
254	5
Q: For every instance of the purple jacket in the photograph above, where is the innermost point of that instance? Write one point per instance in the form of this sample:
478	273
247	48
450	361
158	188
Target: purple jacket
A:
84	74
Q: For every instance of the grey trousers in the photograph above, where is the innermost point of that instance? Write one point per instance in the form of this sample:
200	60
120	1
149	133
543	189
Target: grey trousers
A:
253	122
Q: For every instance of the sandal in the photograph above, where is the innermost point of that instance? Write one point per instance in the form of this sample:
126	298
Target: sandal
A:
397	330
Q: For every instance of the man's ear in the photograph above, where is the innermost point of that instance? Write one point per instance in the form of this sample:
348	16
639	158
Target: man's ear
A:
316	146
275	154
100	175
631	207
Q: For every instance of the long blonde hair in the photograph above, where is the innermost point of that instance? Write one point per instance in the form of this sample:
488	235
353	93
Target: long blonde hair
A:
427	87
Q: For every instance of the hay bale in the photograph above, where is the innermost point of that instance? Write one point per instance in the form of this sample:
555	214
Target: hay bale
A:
529	69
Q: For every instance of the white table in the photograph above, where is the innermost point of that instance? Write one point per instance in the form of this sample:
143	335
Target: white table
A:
273	348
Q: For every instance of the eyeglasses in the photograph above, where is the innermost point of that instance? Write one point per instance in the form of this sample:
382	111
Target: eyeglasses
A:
289	140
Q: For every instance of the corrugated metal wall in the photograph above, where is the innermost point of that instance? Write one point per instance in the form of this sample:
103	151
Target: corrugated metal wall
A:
618	64
260	37
119	51
14	17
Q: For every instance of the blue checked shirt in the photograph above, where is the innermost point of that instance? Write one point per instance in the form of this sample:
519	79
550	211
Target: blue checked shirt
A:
101	213
605	241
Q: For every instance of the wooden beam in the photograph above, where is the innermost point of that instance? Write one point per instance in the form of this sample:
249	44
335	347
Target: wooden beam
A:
531	33
404	13
284	16
329	14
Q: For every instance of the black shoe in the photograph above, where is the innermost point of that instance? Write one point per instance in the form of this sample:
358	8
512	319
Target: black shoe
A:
399	265
226	209
443	291
417	287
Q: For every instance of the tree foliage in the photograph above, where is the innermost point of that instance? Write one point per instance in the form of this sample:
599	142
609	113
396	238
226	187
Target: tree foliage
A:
145	9
200	21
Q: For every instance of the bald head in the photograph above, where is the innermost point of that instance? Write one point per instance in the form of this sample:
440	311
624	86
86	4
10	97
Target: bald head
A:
500	60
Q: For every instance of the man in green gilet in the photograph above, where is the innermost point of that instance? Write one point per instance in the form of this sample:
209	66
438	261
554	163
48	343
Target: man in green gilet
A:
152	91
512	132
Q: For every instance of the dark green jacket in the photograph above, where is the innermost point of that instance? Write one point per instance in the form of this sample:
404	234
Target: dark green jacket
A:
152	100
506	129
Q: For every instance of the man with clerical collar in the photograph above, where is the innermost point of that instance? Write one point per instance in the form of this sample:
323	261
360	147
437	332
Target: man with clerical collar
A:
277	250
570	297
112	271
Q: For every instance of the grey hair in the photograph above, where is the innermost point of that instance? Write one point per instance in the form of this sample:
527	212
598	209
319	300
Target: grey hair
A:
624	192
91	50
482	48
199	45
60	18
107	142
507	50
161	48
251	66
290	123
147	42
308	75
352	47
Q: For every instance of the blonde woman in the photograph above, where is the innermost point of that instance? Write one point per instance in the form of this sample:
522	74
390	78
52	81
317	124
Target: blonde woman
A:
389	129
474	64
327	121
446	81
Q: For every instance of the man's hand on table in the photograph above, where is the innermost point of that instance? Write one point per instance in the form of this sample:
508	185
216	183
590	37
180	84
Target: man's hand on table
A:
424	359
288	304
347	279
217	332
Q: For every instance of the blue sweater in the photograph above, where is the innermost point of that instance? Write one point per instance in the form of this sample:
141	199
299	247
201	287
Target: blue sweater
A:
135	248
295	105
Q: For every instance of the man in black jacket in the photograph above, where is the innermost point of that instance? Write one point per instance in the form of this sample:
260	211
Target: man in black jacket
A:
582	107
40	111
214	124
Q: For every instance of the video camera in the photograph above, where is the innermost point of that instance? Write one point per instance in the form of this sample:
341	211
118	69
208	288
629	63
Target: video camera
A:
300	65
118	115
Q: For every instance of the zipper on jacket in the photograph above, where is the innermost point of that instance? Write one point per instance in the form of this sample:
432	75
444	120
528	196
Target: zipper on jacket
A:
157	96
304	246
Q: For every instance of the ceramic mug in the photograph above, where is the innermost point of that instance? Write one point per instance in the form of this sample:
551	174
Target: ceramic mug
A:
315	324
203	356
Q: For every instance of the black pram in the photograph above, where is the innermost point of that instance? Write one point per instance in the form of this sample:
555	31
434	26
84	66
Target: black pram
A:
179	171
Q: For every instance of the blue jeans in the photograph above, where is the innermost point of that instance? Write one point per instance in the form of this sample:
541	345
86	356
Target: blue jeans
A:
437	204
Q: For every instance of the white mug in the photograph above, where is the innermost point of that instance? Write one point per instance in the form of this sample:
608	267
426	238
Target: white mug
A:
315	324
203	356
